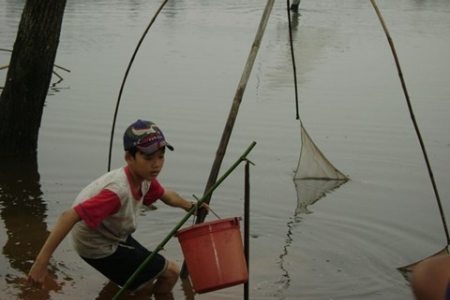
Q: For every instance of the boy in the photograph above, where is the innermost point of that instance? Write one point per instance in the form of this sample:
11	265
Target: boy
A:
104	215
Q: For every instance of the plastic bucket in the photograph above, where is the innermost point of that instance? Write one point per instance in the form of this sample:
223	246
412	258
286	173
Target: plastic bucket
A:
214	254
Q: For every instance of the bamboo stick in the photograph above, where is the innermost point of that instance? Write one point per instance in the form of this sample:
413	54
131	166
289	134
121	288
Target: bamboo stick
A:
413	118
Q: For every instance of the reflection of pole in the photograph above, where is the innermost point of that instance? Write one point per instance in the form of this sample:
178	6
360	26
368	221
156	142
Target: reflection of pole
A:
233	113
294	5
178	226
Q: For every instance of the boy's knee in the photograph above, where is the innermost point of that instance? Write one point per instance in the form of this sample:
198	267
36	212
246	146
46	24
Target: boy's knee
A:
173	270
168	279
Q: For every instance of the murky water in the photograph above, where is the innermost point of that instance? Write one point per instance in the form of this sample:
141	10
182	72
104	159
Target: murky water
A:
349	244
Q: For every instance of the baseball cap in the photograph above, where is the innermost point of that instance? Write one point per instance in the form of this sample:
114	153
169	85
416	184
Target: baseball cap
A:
146	136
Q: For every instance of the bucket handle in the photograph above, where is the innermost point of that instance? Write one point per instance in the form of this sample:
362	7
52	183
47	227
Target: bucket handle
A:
196	210
237	220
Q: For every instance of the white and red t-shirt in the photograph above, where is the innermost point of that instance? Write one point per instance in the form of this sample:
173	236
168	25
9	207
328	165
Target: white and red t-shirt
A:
110	207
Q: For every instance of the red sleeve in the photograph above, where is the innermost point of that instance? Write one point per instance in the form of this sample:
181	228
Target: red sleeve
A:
155	192
97	208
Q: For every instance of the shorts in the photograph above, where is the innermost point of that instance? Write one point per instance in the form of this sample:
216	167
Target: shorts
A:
121	265
447	295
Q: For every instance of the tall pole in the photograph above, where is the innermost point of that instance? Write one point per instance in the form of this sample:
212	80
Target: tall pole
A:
233	114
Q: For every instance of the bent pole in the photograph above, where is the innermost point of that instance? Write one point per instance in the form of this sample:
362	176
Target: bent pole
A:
178	226
413	119
124	80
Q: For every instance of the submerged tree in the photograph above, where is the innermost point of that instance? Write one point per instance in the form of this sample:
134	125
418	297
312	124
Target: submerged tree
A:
29	76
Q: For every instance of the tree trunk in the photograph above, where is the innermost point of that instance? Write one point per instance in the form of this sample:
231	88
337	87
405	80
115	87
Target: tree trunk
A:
29	76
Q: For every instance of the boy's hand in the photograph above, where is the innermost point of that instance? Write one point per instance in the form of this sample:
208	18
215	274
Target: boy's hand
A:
204	205
37	275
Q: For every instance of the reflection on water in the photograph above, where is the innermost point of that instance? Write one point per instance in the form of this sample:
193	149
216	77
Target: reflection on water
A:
111	289
55	86
185	76
309	191
24	215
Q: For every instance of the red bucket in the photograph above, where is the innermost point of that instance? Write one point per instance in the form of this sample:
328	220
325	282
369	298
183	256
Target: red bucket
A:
214	254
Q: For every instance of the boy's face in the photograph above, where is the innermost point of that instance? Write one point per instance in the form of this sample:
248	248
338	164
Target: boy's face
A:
146	166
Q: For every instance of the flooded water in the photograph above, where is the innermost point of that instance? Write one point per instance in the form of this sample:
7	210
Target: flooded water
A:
349	244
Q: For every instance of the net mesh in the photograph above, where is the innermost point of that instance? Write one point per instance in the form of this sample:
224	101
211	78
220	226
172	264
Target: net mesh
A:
315	176
313	164
408	270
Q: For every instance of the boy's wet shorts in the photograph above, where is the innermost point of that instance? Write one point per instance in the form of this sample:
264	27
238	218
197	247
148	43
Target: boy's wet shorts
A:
447	295
122	264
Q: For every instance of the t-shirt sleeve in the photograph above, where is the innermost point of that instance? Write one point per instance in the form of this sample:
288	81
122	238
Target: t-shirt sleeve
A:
94	210
155	192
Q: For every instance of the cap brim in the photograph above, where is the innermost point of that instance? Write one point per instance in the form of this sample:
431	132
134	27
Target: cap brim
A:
154	148
169	146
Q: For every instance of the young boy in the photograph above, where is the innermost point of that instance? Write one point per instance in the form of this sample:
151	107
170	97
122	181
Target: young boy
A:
104	215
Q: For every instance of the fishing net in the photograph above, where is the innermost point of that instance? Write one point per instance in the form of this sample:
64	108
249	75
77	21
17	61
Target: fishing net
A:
408	270
315	175
309	191
313	164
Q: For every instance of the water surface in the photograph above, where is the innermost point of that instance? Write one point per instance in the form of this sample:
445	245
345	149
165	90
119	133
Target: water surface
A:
347	245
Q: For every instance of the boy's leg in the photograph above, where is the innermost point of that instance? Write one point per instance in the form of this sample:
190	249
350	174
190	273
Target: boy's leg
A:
121	265
167	280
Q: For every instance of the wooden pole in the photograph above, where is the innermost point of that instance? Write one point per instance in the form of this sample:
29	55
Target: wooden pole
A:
247	227
124	80
294	68
233	114
413	118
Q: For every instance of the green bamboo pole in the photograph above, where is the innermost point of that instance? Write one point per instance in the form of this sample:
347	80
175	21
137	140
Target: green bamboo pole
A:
178	226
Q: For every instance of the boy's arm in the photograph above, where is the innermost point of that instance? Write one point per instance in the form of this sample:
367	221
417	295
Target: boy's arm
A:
38	272
172	198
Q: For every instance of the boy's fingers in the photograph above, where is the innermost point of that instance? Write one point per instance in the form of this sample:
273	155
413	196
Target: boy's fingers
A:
35	283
